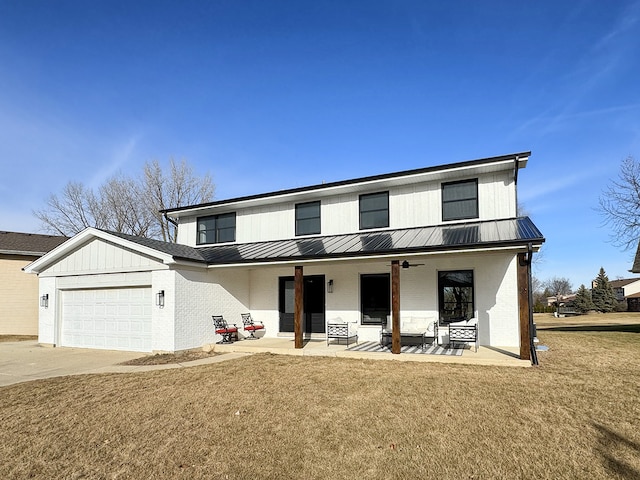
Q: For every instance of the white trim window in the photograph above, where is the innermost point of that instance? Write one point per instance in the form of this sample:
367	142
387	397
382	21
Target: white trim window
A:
308	218
374	210
460	200
217	228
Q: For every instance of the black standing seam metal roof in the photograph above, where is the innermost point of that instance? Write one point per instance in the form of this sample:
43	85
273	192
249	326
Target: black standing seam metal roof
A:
472	235
475	235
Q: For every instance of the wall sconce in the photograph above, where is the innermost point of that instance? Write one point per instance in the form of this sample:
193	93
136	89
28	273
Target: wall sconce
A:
330	286
160	299
44	300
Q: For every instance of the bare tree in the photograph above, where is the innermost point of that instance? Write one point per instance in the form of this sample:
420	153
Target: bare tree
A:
559	285
75	209
619	205
180	187
127	205
124	208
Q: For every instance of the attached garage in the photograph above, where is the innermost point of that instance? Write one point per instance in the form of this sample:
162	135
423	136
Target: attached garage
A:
111	291
107	318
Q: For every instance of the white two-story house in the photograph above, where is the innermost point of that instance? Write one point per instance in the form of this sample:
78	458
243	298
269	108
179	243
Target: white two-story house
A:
441	242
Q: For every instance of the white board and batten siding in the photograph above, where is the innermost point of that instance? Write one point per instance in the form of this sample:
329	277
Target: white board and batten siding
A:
410	206
101	256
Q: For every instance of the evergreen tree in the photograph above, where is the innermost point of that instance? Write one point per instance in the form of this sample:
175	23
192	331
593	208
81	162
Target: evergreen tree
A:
602	295
583	302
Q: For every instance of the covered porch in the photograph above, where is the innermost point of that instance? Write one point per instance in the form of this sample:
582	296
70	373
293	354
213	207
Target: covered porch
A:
496	356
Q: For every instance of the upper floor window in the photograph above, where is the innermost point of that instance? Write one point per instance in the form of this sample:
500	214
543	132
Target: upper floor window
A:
460	200
217	228
308	218
374	210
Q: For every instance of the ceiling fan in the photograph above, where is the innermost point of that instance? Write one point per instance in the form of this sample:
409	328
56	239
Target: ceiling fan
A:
406	264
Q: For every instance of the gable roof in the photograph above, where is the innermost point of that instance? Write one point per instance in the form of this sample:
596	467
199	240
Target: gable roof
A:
175	250
165	252
28	244
622	282
636	261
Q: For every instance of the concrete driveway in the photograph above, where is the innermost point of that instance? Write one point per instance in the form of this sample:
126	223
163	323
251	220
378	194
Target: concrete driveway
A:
25	361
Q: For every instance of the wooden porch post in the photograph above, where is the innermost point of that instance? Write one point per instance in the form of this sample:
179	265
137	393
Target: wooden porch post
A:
395	307
298	306
524	306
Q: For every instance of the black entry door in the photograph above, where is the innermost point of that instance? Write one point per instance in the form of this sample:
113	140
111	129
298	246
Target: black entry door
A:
313	304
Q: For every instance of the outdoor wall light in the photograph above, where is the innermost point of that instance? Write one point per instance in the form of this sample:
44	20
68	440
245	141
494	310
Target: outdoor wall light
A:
44	300
330	286
160	298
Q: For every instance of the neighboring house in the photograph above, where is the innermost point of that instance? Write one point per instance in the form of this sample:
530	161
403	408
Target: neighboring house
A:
633	302
625	287
564	303
298	258
19	293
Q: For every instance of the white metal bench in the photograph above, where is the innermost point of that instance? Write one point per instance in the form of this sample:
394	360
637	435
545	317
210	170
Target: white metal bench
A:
339	331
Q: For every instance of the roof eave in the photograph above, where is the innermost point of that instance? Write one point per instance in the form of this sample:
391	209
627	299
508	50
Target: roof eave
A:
417	251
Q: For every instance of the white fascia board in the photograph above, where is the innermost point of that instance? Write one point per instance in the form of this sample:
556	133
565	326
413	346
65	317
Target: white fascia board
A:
514	249
83	237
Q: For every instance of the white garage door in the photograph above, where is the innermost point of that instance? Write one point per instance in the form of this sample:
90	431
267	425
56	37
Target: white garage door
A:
113	319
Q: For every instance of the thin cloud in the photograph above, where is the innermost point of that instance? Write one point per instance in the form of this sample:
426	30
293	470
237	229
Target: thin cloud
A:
606	57
560	183
122	154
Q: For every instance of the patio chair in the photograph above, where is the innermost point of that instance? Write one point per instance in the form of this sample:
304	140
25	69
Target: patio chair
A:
464	332
222	328
251	326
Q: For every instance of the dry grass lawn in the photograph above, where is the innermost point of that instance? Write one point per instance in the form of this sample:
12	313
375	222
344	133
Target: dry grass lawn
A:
269	416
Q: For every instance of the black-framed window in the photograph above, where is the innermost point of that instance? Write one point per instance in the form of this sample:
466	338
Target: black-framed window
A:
374	210
455	295
217	228
460	200
375	298
308	218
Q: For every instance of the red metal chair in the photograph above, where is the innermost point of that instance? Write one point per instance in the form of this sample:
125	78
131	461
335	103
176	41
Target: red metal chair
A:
251	326
222	328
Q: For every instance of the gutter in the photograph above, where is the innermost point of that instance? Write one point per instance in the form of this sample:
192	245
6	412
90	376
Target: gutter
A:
168	218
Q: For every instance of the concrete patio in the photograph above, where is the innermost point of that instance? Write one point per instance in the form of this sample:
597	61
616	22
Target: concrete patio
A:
507	357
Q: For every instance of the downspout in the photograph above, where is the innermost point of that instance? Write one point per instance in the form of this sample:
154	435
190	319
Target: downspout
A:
515	177
171	221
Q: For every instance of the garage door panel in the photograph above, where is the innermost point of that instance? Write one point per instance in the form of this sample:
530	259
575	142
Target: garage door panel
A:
118	319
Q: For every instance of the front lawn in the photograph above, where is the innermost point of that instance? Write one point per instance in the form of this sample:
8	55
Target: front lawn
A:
269	416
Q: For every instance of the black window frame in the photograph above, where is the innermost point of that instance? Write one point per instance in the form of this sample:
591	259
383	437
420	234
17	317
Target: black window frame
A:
380	308
365	196
476	212
299	220
446	312
216	231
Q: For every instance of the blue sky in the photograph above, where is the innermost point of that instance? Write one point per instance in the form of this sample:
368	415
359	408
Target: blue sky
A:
267	95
